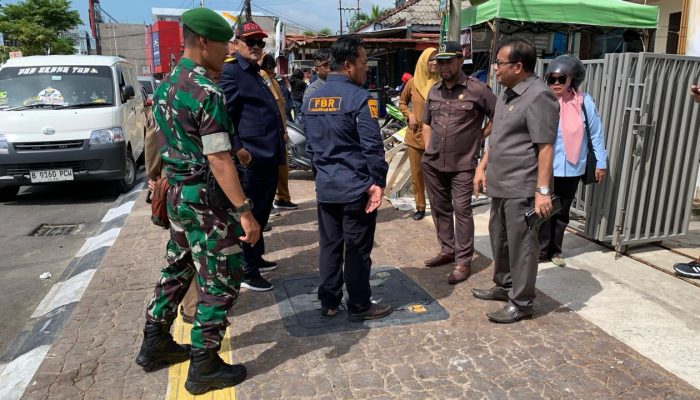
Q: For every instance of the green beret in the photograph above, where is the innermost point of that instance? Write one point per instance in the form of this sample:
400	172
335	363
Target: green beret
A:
207	23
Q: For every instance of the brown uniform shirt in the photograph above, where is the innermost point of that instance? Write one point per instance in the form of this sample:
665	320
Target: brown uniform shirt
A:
411	95
277	94
526	115
456	117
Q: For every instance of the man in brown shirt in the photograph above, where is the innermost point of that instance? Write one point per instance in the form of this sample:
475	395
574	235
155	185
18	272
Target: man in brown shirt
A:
452	130
518	169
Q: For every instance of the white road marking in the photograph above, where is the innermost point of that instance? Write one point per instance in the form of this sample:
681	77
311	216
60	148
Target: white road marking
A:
19	372
105	239
123	209
64	293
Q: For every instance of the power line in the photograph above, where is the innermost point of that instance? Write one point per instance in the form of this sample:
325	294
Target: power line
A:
341	9
286	19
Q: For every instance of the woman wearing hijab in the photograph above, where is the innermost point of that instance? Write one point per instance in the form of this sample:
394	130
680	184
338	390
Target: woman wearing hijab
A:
412	103
578	118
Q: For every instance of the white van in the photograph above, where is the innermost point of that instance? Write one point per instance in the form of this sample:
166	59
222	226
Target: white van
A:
149	84
66	118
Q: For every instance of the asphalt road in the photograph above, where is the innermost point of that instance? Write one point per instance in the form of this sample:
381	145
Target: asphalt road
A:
23	257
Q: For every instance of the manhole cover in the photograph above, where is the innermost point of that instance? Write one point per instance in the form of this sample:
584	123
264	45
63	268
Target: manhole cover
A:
57	229
297	299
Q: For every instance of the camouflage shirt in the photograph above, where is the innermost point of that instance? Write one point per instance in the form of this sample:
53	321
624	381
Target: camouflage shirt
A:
192	122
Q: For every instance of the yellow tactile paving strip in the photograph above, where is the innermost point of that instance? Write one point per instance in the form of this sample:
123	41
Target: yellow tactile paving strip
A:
177	374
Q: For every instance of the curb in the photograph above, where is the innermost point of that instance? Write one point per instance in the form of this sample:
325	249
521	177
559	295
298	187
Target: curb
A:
25	353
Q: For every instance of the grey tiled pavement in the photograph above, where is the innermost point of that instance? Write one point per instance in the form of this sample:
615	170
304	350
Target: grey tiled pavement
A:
557	354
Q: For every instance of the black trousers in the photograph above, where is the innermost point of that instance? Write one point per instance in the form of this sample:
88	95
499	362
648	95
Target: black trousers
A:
552	231
346	236
259	181
514	248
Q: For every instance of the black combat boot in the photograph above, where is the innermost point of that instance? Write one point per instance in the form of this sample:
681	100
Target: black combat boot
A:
158	349
208	371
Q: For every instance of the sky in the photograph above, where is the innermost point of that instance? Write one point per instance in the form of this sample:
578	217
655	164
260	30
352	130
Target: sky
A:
310	14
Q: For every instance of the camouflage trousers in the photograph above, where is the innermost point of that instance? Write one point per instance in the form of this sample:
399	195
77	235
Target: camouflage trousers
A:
203	245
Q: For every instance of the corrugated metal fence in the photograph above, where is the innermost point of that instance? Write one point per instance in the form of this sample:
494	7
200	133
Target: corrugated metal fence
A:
652	130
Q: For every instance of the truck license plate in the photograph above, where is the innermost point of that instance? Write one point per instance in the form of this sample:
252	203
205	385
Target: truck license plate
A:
51	175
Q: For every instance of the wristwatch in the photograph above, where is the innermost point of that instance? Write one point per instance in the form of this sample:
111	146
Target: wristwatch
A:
543	190
246	206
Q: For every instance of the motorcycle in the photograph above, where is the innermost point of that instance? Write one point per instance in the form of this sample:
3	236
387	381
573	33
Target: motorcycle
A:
394	121
297	157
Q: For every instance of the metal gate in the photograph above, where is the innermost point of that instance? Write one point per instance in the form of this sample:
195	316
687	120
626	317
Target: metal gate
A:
651	128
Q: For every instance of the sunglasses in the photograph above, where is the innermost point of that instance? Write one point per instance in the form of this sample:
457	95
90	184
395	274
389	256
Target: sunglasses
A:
500	64
250	42
561	79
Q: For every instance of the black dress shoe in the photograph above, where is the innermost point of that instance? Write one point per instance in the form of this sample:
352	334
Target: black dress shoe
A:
509	314
495	293
286	205
419	215
264	265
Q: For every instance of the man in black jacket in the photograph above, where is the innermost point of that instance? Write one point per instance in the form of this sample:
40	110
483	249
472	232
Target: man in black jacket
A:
260	139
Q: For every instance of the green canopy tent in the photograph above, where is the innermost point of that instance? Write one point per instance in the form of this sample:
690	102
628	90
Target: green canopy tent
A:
603	13
542	16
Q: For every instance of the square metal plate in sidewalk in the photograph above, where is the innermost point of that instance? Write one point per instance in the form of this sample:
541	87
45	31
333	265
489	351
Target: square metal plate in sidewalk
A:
297	299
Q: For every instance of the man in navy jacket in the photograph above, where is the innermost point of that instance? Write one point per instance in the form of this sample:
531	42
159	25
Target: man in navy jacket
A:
348	159
259	143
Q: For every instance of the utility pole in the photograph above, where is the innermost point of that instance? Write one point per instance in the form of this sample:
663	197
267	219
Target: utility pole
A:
340	10
450	20
455	20
248	13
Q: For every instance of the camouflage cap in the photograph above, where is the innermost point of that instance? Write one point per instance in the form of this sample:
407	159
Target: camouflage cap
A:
207	23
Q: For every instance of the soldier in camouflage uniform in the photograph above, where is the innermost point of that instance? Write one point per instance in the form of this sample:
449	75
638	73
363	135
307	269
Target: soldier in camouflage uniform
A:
205	243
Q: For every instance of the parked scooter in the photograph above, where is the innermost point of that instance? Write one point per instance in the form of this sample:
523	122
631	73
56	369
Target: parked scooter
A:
297	157
394	120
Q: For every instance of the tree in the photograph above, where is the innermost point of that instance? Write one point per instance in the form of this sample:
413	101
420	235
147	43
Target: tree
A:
357	21
376	13
325	32
36	25
360	19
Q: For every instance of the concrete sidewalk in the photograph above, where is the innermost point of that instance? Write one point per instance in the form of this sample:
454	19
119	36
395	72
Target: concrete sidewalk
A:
604	327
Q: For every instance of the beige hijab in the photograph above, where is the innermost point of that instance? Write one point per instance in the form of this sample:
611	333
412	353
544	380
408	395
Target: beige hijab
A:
422	79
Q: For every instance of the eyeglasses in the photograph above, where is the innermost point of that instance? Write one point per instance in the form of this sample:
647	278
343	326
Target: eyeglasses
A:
250	42
500	64
561	79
